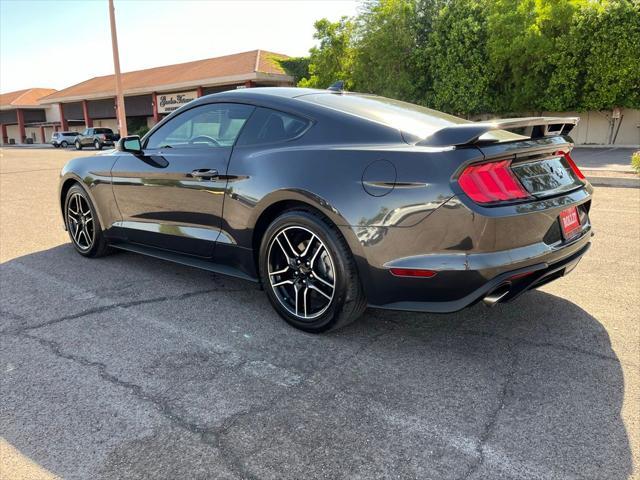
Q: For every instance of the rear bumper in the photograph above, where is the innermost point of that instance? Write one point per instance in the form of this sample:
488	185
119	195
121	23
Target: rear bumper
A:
514	282
473	250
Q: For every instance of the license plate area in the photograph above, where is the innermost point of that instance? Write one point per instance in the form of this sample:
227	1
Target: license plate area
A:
570	225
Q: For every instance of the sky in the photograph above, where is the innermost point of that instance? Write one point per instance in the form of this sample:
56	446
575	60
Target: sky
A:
58	43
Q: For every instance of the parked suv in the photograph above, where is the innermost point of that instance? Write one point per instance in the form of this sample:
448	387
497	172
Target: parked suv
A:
63	139
97	137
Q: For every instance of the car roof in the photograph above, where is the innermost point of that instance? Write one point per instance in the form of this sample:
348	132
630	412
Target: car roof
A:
280	98
286	92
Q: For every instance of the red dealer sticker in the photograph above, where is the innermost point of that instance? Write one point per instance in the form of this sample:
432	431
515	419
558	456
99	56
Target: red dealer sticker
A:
570	222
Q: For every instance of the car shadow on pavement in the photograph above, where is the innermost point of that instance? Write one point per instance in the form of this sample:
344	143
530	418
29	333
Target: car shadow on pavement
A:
214	379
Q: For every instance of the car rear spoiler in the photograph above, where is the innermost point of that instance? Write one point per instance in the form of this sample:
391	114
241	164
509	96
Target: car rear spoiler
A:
467	133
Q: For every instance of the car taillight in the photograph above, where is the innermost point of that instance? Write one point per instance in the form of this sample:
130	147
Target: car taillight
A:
572	164
491	182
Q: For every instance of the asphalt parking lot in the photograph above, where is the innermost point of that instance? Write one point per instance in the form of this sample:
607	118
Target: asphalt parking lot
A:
129	367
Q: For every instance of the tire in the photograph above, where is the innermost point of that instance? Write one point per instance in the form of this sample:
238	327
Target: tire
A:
78	145
64	144
97	145
325	260
55	145
86	236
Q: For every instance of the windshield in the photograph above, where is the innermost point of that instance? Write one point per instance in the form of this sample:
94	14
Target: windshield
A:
415	120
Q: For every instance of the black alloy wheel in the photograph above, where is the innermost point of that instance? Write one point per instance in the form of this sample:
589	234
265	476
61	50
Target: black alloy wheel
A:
309	273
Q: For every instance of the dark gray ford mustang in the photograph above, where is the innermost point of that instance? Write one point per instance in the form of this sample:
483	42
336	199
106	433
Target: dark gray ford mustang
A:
334	201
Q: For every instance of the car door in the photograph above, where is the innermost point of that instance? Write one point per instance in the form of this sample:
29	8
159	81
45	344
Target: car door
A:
171	195
86	137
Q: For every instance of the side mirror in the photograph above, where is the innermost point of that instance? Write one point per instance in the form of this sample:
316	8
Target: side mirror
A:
130	144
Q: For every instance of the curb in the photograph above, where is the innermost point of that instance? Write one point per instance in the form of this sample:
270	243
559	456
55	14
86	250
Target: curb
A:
606	147
624	182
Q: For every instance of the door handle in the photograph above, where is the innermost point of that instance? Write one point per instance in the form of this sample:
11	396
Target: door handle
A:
204	173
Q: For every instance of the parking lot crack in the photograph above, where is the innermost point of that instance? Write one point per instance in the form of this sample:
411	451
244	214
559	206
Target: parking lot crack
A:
494	415
210	436
230	457
555	346
136	390
218	435
109	307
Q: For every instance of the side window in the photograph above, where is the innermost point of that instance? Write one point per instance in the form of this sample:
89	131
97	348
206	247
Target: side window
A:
270	126
209	126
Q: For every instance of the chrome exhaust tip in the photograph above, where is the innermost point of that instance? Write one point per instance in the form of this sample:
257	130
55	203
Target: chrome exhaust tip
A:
496	295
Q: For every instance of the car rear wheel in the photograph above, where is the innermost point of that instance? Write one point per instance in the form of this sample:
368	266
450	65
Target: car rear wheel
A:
309	273
83	224
64	144
97	145
78	145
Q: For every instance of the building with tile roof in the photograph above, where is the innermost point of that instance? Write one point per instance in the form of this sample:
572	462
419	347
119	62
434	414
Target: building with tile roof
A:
22	117
149	94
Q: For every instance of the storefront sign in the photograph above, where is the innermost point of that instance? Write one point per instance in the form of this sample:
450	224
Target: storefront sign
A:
168	102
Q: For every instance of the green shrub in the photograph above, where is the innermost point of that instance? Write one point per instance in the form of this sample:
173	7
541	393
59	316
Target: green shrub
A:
141	131
635	161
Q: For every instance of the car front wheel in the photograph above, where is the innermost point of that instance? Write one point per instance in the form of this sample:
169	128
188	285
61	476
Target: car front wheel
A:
78	145
309	274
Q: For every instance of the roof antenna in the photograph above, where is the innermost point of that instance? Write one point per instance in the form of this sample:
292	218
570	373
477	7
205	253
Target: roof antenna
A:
337	86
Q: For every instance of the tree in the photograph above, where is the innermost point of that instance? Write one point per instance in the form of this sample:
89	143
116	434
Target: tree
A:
297	67
477	56
332	60
523	35
384	49
458	62
426	12
597	66
608	37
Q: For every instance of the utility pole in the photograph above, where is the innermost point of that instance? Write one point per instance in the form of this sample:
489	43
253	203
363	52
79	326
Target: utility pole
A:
122	116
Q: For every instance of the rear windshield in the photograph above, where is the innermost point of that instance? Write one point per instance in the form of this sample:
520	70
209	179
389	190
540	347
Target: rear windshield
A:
103	130
413	119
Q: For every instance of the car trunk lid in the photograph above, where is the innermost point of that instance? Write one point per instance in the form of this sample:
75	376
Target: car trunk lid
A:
520	171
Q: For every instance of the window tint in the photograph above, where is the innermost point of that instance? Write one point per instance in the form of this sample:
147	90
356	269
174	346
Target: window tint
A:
103	130
269	126
213	125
